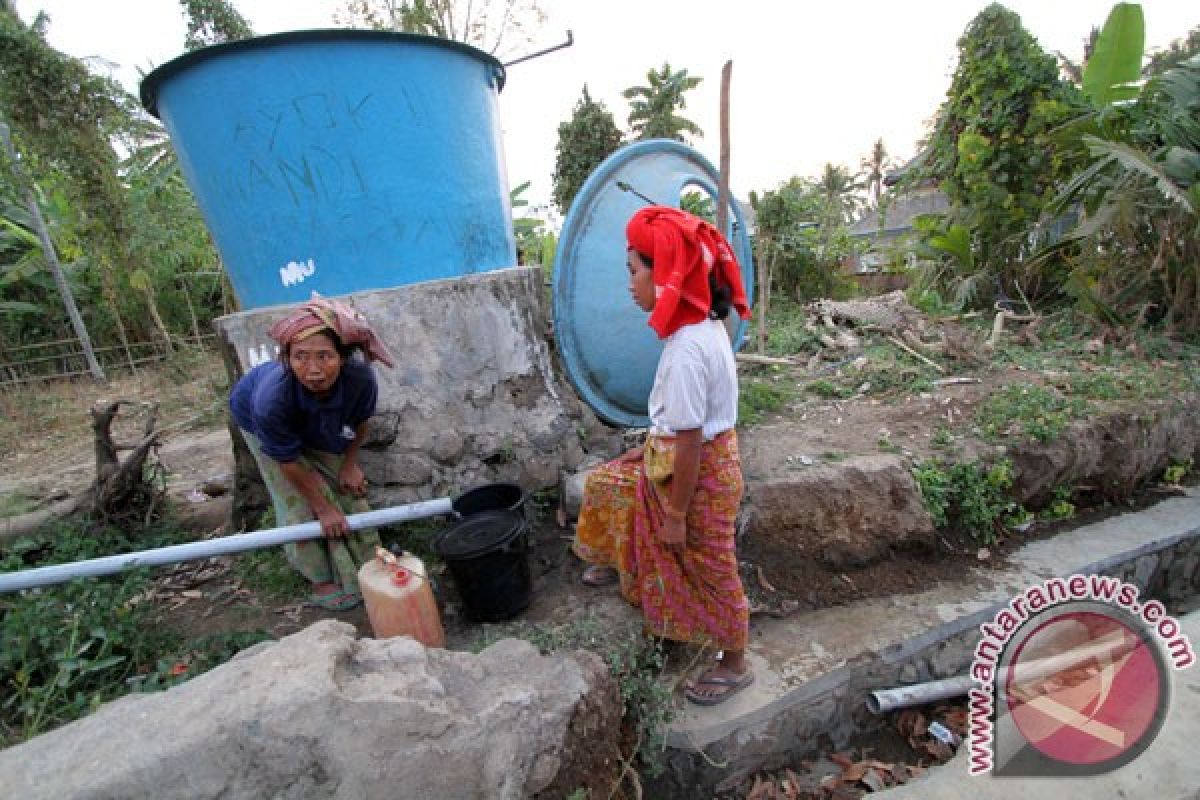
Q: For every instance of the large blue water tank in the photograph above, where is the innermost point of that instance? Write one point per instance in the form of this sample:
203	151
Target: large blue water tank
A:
340	160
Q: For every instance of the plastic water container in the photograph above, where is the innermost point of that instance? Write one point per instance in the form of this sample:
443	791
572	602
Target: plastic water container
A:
400	600
487	555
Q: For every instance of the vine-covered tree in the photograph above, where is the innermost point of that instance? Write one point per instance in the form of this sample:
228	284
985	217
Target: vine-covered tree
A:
586	139
991	150
494	26
653	107
213	22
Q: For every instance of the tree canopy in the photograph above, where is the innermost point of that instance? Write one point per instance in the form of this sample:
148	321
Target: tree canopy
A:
585	140
213	22
494	26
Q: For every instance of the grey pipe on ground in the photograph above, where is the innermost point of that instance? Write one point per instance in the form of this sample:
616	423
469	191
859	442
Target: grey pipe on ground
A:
881	701
238	543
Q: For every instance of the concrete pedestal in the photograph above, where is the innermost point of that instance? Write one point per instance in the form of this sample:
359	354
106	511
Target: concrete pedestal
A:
474	397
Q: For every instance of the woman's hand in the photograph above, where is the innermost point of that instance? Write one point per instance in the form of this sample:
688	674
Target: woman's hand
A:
673	532
631	455
333	522
351	479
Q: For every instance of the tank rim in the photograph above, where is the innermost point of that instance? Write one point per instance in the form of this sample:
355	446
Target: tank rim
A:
149	88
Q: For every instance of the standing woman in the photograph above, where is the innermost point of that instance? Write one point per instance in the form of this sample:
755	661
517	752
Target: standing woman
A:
304	418
661	518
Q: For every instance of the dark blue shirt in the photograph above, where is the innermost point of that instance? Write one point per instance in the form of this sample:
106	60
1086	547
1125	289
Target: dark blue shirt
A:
285	417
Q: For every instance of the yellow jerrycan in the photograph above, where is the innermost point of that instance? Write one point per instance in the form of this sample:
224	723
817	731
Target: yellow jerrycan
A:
399	598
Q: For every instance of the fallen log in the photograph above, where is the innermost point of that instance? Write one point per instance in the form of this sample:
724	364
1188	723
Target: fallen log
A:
26	524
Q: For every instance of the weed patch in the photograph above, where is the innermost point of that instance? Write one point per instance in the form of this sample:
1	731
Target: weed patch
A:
788	333
973	497
1038	412
1176	472
267	572
66	649
757	399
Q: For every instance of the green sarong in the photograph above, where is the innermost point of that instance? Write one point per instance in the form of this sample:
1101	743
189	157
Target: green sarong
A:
321	560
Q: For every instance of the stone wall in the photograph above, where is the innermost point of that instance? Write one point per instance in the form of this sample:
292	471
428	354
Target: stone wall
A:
474	397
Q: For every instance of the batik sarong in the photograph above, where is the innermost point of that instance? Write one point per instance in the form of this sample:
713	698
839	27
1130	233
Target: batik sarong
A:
321	560
695	596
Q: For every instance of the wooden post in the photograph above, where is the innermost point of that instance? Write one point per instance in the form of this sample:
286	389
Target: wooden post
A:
51	255
723	177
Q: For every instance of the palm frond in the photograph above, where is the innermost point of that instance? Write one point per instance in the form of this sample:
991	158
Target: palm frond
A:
1138	162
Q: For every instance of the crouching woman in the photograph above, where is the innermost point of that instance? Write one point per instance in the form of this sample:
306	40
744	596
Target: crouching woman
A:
304	418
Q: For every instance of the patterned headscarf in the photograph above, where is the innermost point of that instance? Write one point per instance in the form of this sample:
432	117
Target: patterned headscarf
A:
685	250
322	314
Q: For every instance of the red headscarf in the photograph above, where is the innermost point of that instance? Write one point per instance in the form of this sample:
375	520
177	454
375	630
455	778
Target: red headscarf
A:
684	249
321	314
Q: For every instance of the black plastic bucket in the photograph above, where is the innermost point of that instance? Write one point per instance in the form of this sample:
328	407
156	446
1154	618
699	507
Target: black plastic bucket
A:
490	497
487	554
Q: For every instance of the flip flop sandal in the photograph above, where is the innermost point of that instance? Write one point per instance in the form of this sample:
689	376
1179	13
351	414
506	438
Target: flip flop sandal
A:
733	686
337	600
598	577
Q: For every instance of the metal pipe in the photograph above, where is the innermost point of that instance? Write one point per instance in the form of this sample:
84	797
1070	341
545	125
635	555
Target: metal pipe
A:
109	565
570	41
882	701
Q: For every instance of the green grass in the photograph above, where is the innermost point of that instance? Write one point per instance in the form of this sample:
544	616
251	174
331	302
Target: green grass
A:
829	390
942	437
757	398
786	331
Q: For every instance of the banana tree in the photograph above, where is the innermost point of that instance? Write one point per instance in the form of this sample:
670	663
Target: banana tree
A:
1140	194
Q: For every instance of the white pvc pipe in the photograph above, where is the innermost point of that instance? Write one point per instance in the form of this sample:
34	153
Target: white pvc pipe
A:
882	701
1109	648
237	543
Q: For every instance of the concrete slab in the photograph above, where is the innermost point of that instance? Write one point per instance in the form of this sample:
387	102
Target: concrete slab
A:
1168	768
814	669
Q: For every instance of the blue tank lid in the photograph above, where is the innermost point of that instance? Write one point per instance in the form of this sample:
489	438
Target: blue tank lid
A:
608	351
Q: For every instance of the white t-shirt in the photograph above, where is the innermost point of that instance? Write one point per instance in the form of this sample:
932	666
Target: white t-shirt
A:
696	382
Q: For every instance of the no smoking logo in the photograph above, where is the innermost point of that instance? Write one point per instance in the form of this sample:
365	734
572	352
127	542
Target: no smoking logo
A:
1085	690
